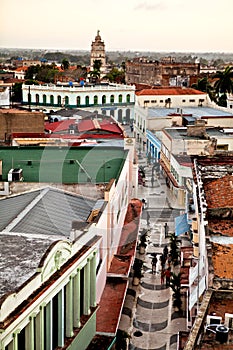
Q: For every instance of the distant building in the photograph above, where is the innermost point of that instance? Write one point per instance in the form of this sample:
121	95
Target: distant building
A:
116	100
14	120
161	107
165	72
98	53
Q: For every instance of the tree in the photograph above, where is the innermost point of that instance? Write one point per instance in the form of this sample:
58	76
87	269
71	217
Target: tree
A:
95	75
116	75
174	249
65	64
46	73
204	85
121	340
175	284
97	65
17	95
223	84
32	72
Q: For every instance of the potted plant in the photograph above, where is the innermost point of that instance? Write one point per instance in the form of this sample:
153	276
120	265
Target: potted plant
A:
137	271
174	249
175	284
122	339
143	242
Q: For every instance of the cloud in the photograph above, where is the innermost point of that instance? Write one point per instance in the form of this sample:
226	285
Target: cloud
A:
150	7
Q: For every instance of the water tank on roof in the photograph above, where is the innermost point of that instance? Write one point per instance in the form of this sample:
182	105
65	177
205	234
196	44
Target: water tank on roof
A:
222	334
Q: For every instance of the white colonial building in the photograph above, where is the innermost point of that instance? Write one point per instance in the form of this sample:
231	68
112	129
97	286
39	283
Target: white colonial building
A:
116	100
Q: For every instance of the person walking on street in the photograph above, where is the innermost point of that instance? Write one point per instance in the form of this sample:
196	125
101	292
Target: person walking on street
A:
162	276
165	251
152	181
166	230
168	276
169	260
148	218
154	263
162	261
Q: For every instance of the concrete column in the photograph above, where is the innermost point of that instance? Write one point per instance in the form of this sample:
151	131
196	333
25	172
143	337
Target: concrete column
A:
76	309
30	334
69	308
39	332
15	340
61	318
49	326
93	281
86	308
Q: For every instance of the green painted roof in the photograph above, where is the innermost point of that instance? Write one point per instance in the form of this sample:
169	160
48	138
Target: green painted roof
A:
64	164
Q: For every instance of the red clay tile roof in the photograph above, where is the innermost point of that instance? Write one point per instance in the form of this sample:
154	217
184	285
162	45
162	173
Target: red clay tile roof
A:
62	125
110	306
94	124
219	193
169	91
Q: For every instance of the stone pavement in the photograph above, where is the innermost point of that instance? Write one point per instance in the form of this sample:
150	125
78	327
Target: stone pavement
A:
148	315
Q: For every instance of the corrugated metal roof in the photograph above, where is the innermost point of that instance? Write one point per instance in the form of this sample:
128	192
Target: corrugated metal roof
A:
11	207
53	214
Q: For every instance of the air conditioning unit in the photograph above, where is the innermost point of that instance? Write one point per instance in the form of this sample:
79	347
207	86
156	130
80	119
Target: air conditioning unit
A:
213	320
15	175
228	320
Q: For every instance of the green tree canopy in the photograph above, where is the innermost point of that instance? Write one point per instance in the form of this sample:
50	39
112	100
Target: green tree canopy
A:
97	65
65	64
224	83
116	75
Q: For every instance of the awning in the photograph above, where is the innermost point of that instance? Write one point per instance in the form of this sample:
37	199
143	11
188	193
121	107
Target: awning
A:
181	224
168	173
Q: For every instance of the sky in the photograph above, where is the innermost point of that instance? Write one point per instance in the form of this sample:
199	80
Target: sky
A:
125	25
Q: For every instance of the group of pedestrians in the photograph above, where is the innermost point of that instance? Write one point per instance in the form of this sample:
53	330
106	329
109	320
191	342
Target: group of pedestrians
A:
165	262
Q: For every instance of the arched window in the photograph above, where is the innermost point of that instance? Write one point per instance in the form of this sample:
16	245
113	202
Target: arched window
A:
120	116
120	98
51	100
112	113
112	99
59	100
95	100
103	99
128	98
37	99
78	101
66	100
87	100
44	99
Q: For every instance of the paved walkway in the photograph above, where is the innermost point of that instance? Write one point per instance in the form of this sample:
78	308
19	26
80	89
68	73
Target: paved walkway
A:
148	315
